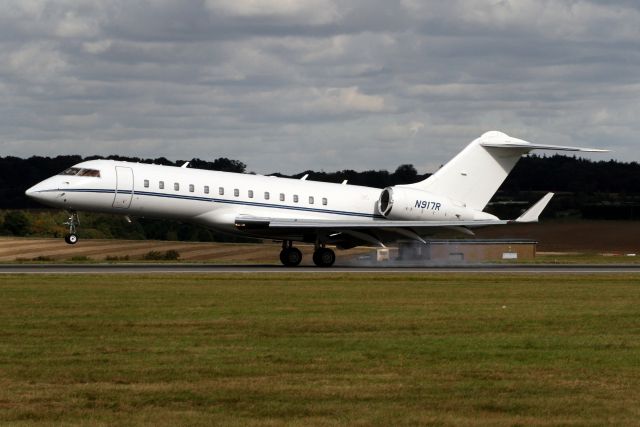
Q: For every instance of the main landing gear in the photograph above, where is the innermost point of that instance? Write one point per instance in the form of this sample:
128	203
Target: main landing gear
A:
324	257
291	257
73	221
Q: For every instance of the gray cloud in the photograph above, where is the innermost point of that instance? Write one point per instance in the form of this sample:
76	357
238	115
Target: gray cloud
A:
290	85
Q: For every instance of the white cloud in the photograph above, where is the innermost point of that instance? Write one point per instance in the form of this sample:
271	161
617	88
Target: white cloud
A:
289	85
37	62
73	25
401	132
30	9
303	11
344	100
97	47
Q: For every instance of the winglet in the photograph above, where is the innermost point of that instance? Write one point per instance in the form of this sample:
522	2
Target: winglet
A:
532	214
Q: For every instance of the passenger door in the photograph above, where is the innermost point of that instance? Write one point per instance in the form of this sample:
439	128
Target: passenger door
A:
124	187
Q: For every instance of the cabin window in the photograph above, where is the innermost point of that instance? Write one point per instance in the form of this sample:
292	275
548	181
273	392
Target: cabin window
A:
161	185
221	191
206	189
250	194
192	188
295	198
282	197
310	200
236	192
146	183
176	186
266	195
324	201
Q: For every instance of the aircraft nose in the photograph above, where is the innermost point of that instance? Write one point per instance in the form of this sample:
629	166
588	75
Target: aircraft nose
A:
46	192
35	192
30	192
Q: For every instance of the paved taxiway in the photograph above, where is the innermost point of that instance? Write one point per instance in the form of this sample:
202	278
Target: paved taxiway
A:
267	269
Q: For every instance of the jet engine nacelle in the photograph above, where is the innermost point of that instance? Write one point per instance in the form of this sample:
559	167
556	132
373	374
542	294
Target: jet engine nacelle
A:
403	203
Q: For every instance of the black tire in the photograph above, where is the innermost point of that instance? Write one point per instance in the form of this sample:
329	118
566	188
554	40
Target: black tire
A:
71	239
290	257
324	257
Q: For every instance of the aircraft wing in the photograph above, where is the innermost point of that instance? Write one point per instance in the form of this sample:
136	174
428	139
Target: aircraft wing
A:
296	223
251	222
373	231
346	232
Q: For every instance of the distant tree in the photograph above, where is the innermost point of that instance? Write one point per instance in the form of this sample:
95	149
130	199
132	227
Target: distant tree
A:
16	223
220	164
405	174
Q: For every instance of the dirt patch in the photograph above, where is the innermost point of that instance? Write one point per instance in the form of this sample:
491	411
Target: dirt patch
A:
581	236
13	249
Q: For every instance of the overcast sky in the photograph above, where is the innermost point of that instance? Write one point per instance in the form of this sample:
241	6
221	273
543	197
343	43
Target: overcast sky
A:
289	85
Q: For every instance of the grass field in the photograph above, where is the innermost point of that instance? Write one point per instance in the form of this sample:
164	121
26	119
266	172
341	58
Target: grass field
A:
320	350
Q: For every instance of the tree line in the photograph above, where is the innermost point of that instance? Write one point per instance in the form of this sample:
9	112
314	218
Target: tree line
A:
532	173
584	189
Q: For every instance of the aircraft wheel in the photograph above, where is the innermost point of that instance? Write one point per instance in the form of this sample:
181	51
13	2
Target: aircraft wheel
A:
71	239
290	257
324	257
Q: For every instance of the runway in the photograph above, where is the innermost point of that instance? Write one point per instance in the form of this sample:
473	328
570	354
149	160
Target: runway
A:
276	269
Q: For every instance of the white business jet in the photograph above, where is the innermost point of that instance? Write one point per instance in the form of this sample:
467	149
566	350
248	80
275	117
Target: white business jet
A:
297	210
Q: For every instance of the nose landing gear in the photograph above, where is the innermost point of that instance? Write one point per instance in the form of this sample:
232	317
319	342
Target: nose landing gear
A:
72	238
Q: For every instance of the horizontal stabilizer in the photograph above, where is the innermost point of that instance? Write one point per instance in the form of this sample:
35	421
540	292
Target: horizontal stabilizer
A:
528	146
532	214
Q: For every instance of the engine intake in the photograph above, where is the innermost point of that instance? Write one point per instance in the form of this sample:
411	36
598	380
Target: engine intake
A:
386	201
403	203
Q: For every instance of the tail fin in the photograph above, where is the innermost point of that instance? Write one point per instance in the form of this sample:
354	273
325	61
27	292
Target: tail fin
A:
473	176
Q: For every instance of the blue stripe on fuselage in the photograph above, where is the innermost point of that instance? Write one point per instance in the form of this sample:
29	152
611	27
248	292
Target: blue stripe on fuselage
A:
217	200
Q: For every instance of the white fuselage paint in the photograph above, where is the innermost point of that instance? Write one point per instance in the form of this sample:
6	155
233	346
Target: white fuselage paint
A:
121	189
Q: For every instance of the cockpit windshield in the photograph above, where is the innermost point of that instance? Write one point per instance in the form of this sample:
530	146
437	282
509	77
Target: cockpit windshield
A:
81	172
89	172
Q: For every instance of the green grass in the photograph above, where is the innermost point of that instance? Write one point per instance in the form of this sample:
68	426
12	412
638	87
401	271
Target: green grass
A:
320	350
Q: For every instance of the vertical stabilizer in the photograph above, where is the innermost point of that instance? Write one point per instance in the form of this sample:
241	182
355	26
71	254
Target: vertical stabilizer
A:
473	176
